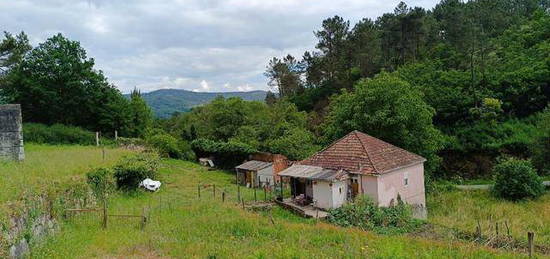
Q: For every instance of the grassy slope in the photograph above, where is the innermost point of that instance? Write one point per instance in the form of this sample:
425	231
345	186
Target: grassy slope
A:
462	210
186	226
51	166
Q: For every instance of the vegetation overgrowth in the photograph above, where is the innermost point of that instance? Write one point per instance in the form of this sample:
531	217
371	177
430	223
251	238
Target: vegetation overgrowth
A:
182	225
516	180
365	214
48	167
133	169
57	134
464	210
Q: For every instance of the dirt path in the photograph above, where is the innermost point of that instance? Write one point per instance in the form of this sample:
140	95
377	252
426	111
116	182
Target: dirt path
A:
485	186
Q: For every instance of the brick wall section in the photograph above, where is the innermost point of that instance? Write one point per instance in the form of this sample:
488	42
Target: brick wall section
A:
11	132
280	162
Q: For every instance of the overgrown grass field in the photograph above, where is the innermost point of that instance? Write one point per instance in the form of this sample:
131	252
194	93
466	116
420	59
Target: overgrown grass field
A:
463	209
46	167
182	225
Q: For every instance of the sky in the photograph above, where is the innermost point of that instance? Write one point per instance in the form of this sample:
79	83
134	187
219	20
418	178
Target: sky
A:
197	45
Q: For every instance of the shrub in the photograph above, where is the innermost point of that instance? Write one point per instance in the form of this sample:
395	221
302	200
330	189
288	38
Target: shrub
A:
57	134
363	213
516	179
130	142
101	182
131	170
541	147
169	146
227	154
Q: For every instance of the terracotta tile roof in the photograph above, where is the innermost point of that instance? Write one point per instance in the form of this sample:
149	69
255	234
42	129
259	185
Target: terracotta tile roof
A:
358	152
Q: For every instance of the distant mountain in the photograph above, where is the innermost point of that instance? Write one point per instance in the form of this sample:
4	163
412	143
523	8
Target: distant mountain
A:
165	102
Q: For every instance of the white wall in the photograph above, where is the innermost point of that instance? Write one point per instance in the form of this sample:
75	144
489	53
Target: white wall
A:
265	175
322	194
339	193
327	196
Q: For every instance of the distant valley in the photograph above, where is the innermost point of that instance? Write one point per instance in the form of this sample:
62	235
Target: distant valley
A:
165	102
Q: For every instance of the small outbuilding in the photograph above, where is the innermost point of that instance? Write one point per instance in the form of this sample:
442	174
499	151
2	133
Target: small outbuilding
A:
261	170
358	164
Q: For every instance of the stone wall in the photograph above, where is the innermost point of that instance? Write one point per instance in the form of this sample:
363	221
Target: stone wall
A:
11	132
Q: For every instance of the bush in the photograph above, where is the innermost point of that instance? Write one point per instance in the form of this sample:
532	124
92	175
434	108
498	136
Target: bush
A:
131	170
516	179
226	154
363	213
57	134
101	182
130	142
171	147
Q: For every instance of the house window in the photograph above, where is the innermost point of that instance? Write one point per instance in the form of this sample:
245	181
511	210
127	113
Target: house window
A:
406	179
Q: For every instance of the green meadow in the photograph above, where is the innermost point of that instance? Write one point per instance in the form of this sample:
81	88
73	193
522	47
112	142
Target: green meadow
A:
182	225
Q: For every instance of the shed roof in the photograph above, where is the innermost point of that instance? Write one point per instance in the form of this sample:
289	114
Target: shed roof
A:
254	165
360	153
313	173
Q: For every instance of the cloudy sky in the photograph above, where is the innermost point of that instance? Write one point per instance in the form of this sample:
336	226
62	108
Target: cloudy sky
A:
199	45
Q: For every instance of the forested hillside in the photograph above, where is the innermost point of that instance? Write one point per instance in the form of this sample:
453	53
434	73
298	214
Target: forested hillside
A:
462	84
166	102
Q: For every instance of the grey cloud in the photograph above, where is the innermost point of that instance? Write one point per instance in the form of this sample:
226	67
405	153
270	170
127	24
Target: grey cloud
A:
202	45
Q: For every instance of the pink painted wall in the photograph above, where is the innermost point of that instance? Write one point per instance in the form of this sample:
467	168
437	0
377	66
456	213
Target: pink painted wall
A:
385	188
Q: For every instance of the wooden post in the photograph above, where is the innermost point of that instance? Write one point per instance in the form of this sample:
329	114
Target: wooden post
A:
496	228
214	190
143	218
223	196
104	214
478	229
282	197
255	198
116	135
238	192
265	193
531	243
199	190
97	138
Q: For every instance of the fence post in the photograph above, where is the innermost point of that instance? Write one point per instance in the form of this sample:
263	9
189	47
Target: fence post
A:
265	193
199	190
97	138
223	196
531	243
238	192
214	190
143	218
104	214
116	135
255	199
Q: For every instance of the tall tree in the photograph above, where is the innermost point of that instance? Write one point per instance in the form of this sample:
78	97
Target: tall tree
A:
388	108
141	116
57	83
285	75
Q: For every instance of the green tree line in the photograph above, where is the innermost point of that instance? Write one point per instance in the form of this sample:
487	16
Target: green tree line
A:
56	83
462	84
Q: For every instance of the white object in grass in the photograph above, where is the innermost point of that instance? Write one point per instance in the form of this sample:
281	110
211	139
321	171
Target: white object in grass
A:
150	185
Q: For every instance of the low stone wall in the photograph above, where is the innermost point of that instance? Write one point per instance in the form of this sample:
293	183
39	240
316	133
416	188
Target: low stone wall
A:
37	216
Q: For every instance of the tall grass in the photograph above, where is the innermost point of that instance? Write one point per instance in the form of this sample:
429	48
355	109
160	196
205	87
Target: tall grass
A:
186	226
463	209
46	167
